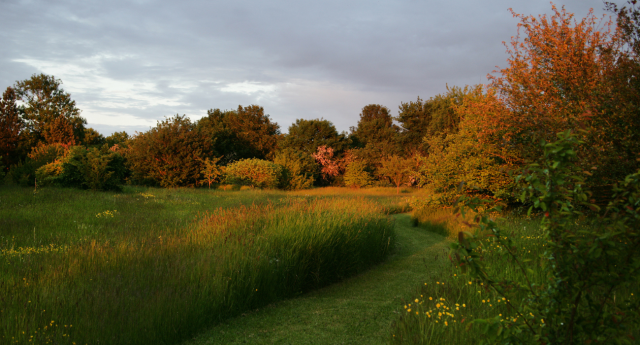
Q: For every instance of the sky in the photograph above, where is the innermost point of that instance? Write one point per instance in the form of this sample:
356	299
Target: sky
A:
129	64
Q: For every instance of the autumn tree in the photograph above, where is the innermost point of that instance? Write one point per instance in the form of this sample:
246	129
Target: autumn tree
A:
44	102
59	131
254	172
307	135
357	175
169	154
11	126
93	138
559	78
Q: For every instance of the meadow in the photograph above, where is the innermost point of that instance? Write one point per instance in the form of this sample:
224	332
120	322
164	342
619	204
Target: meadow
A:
158	265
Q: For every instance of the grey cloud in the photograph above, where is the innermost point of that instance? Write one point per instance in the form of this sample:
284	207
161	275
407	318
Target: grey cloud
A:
149	59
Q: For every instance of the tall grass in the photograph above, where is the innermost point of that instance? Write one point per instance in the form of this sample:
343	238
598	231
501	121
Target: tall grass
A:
150	286
445	304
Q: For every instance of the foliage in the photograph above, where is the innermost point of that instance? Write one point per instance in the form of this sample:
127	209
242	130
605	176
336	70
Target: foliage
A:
117	138
254	172
330	166
565	75
25	173
10	127
582	267
170	154
375	136
299	169
307	135
44	103
397	169
357	175
243	133
464	161
93	138
211	170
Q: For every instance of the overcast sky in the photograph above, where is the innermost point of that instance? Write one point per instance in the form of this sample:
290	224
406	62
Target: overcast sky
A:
128	64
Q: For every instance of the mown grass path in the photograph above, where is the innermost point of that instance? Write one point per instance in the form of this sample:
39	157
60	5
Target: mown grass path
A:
358	310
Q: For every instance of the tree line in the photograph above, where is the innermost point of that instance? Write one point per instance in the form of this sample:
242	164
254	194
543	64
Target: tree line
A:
562	74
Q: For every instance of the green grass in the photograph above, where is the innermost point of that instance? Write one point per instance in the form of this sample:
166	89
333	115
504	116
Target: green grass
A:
358	310
153	266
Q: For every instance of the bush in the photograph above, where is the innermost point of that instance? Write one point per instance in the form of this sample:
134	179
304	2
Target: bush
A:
25	173
254	172
169	155
357	175
95	169
587	271
299	169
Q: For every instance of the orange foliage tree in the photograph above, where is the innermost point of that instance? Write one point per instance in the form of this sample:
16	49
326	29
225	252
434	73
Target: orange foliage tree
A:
557	79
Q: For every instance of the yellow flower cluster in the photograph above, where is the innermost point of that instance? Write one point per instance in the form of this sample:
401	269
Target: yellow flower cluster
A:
51	248
107	214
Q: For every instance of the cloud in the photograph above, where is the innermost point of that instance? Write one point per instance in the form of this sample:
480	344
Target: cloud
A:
130	64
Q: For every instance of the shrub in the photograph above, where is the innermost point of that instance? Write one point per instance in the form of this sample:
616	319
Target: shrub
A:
254	172
357	175
584	269
169	155
95	169
299	169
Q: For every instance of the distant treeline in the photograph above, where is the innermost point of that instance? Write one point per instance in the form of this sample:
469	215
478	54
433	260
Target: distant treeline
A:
562	74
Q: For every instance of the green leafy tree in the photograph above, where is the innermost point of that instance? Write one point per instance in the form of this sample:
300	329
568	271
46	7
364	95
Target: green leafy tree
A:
357	175
170	154
44	102
11	126
299	169
584	269
117	138
307	135
243	133
396	169
93	168
254	172
211	170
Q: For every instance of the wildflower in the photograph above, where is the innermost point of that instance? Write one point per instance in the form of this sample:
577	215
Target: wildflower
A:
438	305
416	300
464	305
483	301
409	310
469	283
446	324
430	298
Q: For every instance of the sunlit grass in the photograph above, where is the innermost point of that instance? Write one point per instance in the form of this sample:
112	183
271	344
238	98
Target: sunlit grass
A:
155	266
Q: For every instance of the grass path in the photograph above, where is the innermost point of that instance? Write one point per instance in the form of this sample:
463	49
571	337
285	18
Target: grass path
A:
358	310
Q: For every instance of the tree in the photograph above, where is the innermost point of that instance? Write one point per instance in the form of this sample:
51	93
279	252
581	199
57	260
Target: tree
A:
44	102
307	135
559	78
211	170
299	169
357	175
93	138
11	125
375	126
244	133
59	131
254	172
169	154
397	169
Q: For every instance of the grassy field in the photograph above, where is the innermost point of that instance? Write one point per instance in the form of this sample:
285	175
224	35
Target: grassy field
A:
154	266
